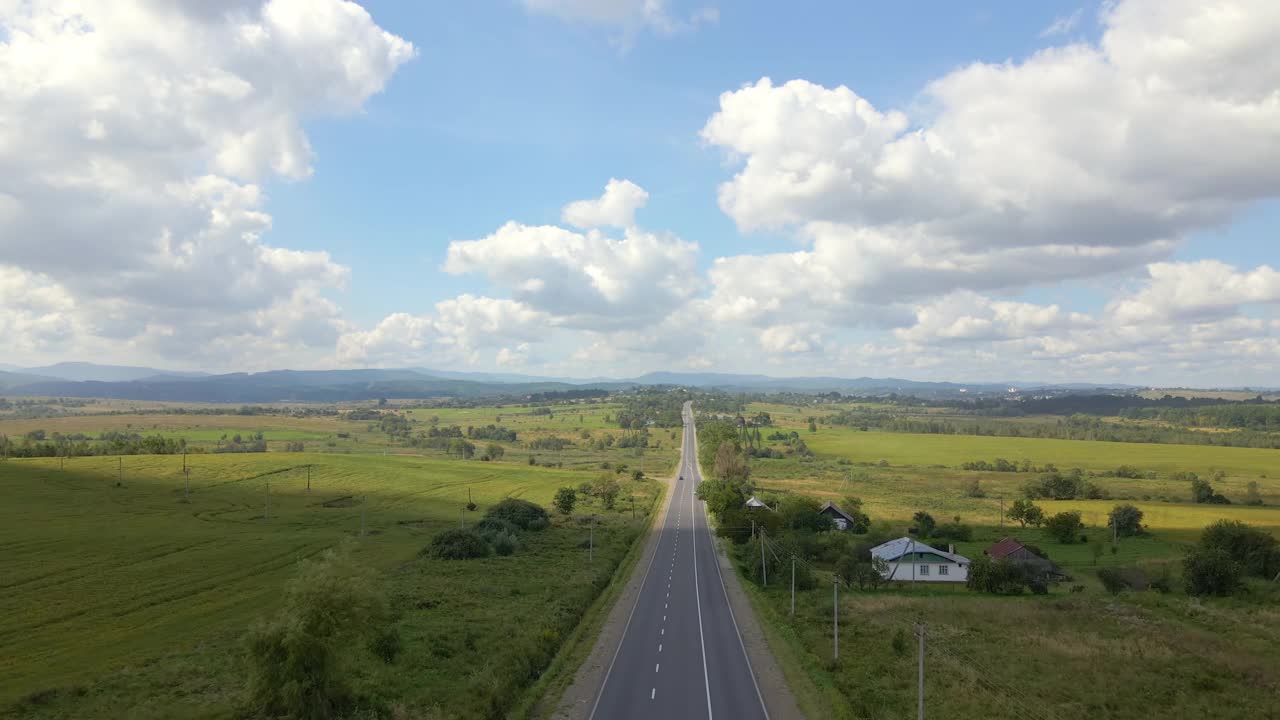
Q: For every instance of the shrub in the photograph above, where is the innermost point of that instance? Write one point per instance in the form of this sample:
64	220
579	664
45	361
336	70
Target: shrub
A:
1065	527
973	489
566	498
1251	496
957	531
1256	551
521	513
294	660
490	527
1210	571
386	644
924	523
1113	580
506	544
1026	513
1203	492
998	577
458	544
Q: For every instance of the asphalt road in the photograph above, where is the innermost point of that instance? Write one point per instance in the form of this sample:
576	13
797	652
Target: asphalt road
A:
681	654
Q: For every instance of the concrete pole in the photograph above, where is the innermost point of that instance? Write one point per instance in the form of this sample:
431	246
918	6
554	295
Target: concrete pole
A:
793	586
835	616
764	569
920	689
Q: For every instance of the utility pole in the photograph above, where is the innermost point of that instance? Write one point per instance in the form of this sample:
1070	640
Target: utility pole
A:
793	586
308	478
119	469
764	569
266	503
920	688
184	462
363	499
835	616
753	527
187	491
1002	511
633	507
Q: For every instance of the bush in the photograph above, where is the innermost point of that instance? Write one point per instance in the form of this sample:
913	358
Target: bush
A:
506	544
924	523
997	577
521	513
566	498
1113	580
1065	527
1256	551
1210	571
295	659
458	544
957	531
973	489
491	527
386	644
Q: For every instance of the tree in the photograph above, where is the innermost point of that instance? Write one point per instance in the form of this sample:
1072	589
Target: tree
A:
607	489
495	451
924	523
1065	527
799	512
1210	571
566	498
813	427
1026	513
1126	519
462	448
1203	492
295	659
729	465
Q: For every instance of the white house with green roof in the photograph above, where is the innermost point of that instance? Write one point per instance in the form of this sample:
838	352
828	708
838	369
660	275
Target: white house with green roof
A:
909	560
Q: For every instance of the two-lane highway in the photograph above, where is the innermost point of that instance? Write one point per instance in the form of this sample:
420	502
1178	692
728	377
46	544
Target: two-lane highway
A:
681	654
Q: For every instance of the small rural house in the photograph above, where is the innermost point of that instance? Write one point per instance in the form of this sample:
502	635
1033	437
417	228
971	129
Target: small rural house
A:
755	503
1014	551
842	519
909	560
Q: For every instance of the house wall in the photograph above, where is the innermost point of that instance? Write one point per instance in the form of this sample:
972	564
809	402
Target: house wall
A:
902	572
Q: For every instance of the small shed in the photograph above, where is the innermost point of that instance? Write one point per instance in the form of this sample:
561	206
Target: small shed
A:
755	503
842	519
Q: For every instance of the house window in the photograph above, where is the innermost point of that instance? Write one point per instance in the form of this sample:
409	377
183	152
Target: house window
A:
924	569
942	569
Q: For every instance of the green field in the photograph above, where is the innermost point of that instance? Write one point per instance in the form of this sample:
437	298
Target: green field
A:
1069	654
127	601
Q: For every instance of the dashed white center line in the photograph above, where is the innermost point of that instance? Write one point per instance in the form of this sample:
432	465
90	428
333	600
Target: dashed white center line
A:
659	647
655	666
653	692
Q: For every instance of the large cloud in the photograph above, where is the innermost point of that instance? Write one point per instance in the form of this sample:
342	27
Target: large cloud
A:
129	159
587	280
1079	161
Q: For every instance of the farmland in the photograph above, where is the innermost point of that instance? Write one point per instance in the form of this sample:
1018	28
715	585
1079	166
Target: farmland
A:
1078	650
127	595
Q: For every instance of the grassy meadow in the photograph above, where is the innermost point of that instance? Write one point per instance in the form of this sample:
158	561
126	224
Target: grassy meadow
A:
1076	652
128	600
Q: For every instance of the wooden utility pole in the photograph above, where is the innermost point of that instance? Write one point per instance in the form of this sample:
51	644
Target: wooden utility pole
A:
308	478
119	469
187	492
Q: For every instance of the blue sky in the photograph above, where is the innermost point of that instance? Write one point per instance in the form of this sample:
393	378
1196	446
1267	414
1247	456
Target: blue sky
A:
548	111
1052	190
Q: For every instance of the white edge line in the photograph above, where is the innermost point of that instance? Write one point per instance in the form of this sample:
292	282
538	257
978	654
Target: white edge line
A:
627	626
727	604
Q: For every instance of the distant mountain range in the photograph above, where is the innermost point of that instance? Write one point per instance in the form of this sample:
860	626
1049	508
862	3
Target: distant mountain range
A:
78	379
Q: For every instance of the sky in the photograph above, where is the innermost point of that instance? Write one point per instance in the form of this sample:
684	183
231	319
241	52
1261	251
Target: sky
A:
986	191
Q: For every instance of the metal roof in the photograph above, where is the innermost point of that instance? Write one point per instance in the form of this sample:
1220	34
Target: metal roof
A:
894	549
